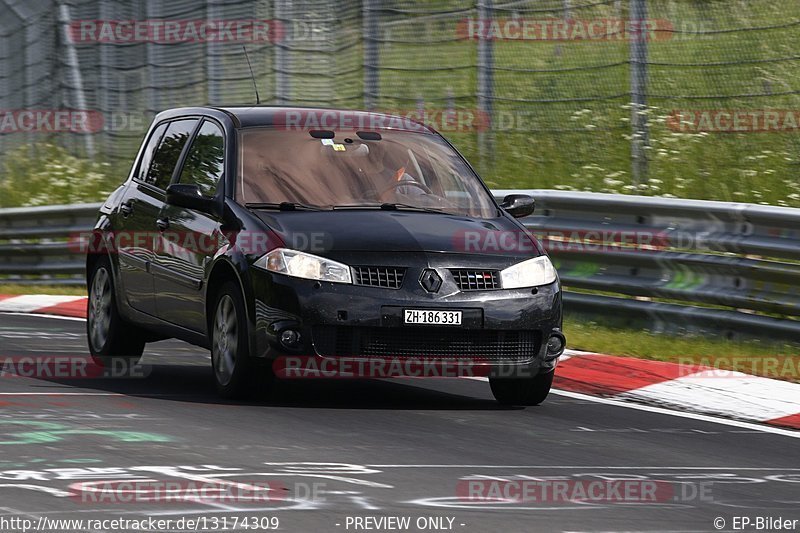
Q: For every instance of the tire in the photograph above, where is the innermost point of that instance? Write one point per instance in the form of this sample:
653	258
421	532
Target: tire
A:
109	336
522	391
235	372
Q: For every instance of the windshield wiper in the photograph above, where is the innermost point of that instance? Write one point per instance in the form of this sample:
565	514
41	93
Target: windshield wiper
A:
389	206
284	206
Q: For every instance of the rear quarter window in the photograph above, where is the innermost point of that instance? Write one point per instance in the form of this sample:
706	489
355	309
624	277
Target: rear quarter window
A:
168	152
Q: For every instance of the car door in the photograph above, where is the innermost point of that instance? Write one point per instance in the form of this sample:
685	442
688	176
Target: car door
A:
133	227
192	237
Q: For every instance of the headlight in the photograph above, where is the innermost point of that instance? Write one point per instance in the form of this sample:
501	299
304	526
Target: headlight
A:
530	273
303	265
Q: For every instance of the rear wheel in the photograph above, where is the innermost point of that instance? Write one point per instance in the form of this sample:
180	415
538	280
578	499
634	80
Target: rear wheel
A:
234	369
110	336
522	391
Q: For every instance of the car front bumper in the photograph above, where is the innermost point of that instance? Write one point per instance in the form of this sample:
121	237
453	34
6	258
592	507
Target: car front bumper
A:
503	332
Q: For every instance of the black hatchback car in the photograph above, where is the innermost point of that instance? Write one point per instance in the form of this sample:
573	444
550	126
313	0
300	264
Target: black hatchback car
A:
278	235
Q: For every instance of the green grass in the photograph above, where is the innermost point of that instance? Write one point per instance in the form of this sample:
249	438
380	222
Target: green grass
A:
781	361
17	289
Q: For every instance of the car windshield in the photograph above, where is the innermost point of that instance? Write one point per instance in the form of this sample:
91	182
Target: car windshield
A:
357	169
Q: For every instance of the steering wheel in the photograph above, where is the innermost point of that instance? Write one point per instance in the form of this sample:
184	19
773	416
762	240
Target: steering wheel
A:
403	183
399	182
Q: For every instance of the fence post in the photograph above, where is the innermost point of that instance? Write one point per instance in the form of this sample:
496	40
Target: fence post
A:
213	93
485	82
281	56
153	82
108	85
638	58
369	36
74	70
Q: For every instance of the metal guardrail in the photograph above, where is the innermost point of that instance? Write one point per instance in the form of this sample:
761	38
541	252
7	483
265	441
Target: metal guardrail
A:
667	264
730	269
39	244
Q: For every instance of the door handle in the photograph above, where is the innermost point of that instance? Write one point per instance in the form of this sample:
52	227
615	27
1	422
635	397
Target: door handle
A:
126	209
163	224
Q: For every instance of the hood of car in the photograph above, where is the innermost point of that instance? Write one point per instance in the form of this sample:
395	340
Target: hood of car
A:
332	232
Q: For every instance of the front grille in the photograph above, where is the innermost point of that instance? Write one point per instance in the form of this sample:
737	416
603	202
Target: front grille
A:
426	342
386	277
476	280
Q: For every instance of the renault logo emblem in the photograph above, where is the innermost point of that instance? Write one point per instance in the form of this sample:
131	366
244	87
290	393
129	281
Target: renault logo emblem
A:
430	280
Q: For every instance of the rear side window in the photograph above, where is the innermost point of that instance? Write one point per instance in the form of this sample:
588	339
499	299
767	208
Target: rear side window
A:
149	150
168	152
204	161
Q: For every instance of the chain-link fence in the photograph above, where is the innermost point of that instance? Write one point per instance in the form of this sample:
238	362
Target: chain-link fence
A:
693	98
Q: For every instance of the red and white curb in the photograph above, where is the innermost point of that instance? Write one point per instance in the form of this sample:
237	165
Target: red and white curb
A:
43	304
698	389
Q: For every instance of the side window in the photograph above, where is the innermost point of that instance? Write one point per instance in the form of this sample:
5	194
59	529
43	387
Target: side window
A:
168	152
149	150
204	161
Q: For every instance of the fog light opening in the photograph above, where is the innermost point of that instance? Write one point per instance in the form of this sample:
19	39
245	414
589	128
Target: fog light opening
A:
290	339
555	345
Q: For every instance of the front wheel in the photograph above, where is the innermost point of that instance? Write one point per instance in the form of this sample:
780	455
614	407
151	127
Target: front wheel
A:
522	391
235	372
109	336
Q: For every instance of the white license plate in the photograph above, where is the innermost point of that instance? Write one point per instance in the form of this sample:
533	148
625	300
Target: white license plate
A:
434	318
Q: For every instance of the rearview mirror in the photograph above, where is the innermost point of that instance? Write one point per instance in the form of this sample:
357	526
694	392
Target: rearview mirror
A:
518	205
188	195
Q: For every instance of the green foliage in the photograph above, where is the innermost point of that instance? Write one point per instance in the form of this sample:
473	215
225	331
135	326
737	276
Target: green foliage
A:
46	174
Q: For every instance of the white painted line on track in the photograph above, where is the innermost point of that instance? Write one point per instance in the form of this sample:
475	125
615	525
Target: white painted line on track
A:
663	411
578	467
681	414
733	394
38	315
61	394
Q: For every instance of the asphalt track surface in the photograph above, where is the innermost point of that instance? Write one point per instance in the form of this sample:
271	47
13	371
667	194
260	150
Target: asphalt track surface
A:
335	451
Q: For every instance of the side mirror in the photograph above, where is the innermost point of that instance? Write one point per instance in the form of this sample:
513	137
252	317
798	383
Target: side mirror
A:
188	195
518	205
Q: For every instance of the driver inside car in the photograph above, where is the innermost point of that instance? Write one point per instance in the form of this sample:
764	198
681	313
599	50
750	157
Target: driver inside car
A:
391	171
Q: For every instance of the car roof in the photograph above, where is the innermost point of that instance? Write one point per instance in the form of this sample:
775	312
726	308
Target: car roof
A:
247	116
